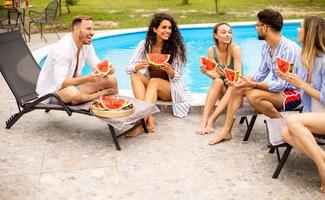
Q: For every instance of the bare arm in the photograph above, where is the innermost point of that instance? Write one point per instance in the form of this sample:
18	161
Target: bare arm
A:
236	54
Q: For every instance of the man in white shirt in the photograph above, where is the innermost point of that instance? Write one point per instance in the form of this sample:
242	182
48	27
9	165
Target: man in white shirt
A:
61	73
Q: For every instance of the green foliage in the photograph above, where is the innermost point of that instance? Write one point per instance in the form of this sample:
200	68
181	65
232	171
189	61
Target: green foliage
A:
71	2
112	14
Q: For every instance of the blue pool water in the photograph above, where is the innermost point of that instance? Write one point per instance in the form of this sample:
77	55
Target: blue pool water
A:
119	49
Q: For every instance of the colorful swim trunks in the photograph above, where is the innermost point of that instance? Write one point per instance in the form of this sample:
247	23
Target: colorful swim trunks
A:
292	100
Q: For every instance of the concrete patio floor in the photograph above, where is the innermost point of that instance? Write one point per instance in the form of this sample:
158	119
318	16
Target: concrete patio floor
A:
56	157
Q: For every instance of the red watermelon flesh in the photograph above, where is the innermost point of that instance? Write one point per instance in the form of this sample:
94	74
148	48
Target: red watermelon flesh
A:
112	103
157	59
210	65
103	67
284	65
231	75
98	106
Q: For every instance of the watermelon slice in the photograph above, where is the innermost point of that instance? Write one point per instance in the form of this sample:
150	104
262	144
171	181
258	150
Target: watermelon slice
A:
97	105
210	65
114	103
157	59
284	65
103	67
231	75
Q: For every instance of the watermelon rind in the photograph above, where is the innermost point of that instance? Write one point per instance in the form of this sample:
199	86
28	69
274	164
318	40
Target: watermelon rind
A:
98	105
102	100
155	64
98	70
284	65
235	75
210	65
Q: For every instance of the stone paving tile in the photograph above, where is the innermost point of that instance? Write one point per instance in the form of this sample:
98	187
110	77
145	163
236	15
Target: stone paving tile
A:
53	156
18	187
21	151
96	183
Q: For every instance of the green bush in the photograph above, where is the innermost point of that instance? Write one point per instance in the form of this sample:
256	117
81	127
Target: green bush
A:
71	2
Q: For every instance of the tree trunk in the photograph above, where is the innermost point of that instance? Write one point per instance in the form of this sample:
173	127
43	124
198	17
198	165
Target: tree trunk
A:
185	2
217	8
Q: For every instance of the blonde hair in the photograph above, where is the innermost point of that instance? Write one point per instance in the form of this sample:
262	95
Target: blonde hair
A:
313	41
229	46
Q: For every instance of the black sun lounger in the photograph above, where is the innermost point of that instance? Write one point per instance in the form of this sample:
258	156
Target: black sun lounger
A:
20	71
275	141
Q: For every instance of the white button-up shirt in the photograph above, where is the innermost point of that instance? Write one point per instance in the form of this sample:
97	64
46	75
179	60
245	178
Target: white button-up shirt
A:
61	63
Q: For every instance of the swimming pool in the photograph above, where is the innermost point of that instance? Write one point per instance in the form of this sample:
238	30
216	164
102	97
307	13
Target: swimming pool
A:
119	48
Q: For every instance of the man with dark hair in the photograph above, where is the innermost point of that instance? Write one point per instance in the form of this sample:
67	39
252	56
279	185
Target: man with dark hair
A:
61	73
268	97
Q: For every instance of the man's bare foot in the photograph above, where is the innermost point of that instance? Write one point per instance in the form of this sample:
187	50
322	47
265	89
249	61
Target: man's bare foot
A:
135	132
223	135
201	128
150	124
108	91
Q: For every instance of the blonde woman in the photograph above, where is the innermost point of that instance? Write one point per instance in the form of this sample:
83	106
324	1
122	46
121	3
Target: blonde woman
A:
300	128
226	54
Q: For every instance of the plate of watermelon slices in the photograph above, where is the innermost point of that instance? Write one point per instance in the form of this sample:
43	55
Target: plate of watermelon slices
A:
112	107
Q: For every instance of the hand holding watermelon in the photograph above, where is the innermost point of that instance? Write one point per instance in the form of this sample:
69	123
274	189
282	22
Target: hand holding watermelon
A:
294	80
95	77
208	64
231	75
104	68
168	69
142	65
245	81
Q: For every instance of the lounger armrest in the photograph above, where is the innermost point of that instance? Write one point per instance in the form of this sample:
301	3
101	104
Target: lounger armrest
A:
47	96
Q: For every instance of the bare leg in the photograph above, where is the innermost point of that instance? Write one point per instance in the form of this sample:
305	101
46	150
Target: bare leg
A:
139	84
74	96
104	83
266	102
301	129
212	96
156	87
217	112
236	99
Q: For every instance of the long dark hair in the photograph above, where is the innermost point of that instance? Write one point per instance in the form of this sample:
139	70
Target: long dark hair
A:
174	45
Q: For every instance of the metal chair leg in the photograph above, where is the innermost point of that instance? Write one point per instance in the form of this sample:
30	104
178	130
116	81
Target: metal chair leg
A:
144	125
250	127
55	31
282	161
242	120
117	144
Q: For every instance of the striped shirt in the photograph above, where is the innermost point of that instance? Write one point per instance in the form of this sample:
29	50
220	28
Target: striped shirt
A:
180	95
286	49
318	81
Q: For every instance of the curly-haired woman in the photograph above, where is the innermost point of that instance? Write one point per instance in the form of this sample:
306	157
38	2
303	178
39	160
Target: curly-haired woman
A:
151	83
